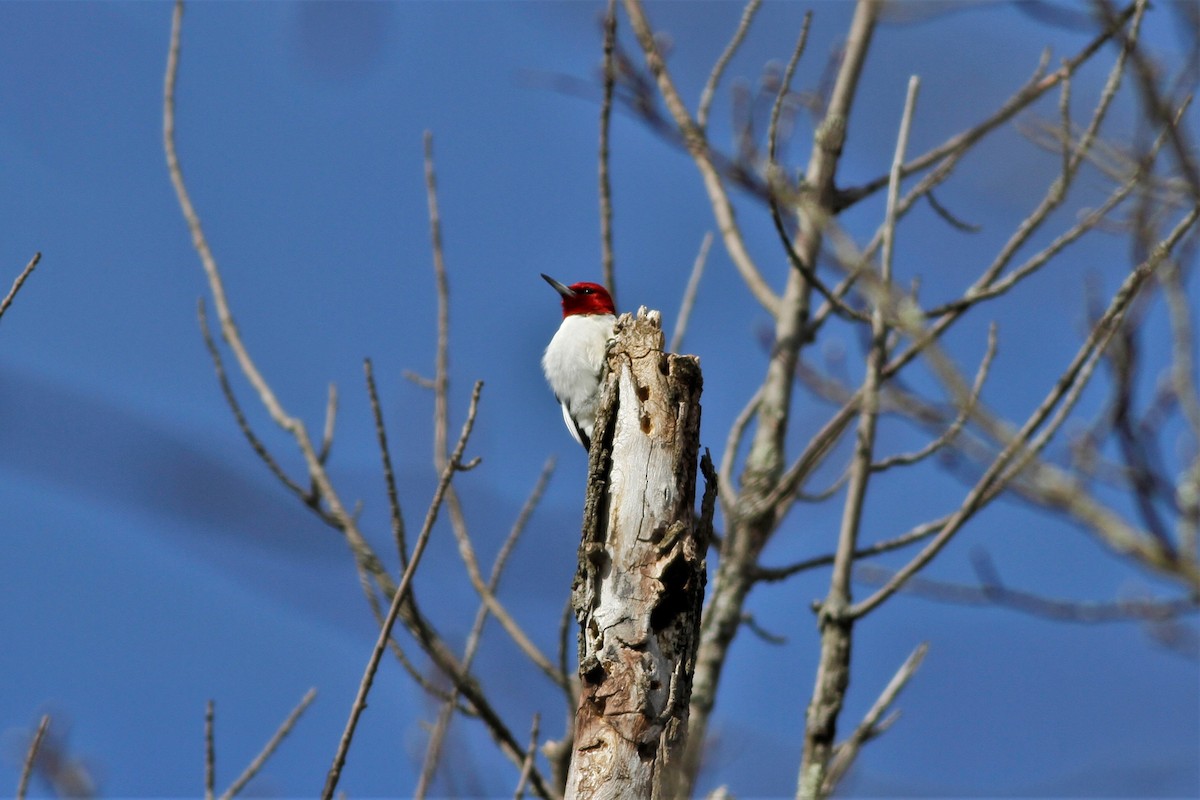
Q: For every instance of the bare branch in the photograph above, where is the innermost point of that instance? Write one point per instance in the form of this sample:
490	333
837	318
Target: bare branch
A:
836	627
366	562
199	241
779	186
1038	84
785	85
733	442
1157	107
1065	389
441	383
441	378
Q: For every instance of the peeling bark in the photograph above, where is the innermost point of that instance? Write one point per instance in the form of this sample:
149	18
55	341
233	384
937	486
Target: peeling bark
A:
639	587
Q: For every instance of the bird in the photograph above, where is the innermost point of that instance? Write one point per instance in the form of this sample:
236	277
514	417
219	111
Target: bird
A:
575	355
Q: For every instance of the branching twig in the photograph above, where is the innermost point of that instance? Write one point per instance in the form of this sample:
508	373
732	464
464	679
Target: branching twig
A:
1065	389
960	419
733	442
698	148
1038	84
453	464
256	444
871	725
369	566
836	626
437	736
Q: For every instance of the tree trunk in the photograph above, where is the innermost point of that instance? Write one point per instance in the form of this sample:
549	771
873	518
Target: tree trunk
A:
640	585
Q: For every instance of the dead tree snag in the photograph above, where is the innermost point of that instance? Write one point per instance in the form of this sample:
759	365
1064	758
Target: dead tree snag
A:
640	585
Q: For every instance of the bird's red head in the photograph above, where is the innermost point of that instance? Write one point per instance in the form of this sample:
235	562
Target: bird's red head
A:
583	298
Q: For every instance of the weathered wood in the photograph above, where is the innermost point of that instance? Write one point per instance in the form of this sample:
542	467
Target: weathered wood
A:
640	584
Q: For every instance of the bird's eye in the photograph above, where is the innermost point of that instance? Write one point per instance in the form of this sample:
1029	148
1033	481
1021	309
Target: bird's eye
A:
587	291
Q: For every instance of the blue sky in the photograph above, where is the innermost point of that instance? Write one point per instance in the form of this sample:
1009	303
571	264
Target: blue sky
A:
150	563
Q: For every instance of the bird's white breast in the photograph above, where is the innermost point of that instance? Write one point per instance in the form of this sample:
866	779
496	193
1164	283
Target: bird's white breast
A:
573	361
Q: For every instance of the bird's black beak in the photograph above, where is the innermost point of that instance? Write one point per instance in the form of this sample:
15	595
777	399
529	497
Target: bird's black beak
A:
565	291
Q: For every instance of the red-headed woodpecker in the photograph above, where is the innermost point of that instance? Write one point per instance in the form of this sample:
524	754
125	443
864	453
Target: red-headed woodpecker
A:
573	360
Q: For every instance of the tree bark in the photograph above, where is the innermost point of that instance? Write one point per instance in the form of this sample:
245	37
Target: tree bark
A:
639	588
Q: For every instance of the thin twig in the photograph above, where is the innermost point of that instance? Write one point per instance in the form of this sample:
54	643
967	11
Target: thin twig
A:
826	493
728	494
19	282
960	419
893	193
1064	116
271	746
389	476
607	269
564	633
870	727
689	294
993	593
530	754
31	757
432	689
987	285
210	756
779	186
229	330
836	628
922	531
453	465
331	407
785	86
718	70
441	378
1156	106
